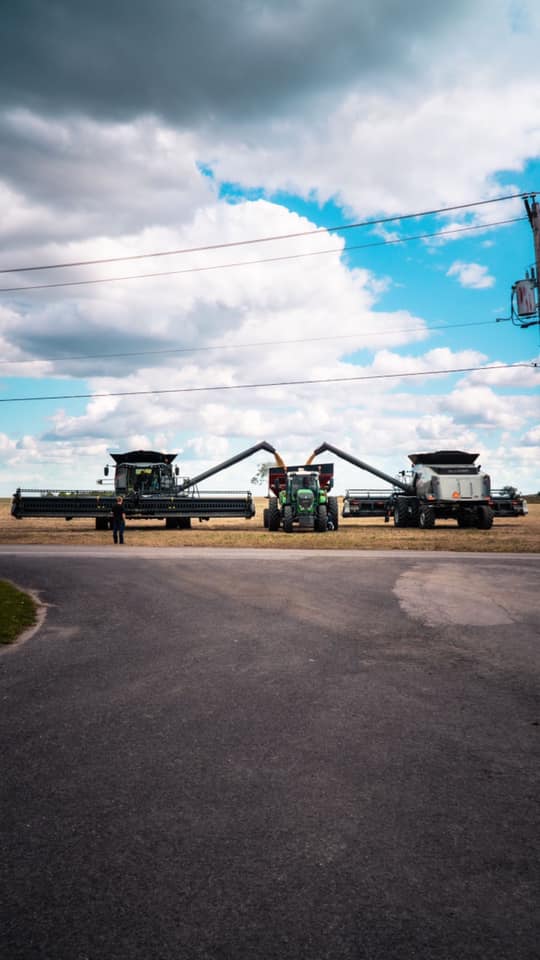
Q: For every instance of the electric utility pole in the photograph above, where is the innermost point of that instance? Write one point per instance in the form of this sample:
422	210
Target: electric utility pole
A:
526	293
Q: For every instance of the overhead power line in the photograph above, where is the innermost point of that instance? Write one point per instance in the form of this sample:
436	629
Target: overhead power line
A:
247	263
283	236
255	344
275	383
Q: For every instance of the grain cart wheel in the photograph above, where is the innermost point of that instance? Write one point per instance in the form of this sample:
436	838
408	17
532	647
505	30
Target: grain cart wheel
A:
321	520
287	519
274	516
426	518
401	513
265	518
333	511
485	518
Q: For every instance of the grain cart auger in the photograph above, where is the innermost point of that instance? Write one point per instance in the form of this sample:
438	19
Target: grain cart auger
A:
298	496
445	484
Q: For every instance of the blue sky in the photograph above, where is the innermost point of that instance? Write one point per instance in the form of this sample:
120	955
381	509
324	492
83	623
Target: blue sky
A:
309	122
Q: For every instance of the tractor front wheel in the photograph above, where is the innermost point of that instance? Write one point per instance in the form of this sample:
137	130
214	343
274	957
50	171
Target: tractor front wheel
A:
287	519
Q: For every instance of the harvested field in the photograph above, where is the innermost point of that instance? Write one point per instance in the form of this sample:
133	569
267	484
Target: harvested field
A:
511	535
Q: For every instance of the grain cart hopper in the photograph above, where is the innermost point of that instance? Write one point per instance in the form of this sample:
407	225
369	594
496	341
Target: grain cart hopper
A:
299	496
445	484
152	490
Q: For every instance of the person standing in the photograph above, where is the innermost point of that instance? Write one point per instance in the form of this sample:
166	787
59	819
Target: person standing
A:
119	520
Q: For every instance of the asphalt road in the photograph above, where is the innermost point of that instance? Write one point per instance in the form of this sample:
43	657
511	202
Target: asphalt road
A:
231	755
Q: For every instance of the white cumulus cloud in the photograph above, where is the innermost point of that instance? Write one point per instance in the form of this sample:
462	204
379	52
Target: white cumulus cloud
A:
472	275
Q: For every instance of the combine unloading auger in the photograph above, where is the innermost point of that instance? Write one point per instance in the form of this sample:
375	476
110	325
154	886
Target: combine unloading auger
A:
406	487
243	455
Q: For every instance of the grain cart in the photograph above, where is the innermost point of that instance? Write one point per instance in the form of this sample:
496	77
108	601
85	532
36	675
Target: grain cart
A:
445	484
152	490
299	496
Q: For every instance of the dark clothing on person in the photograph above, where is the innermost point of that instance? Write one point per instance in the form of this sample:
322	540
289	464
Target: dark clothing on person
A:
119	522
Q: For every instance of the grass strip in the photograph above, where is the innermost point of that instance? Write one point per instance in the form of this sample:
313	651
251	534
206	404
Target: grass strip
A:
17	612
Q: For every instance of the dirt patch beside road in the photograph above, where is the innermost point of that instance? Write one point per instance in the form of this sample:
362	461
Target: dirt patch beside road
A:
509	535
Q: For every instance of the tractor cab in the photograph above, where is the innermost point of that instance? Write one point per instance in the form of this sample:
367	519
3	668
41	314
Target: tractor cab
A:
303	491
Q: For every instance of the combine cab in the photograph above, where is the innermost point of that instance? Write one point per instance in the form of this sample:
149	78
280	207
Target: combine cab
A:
299	497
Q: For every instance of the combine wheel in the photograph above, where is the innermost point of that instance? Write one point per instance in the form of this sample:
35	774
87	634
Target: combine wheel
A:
465	520
401	513
274	516
265	518
287	519
177	523
333	511
102	523
426	518
321	520
485	518
414	517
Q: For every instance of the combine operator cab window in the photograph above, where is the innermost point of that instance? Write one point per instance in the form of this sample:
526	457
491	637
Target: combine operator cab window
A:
121	478
143	479
165	479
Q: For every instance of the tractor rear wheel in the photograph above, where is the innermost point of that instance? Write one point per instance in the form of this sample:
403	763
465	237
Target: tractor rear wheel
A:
485	518
274	516
333	511
321	520
287	519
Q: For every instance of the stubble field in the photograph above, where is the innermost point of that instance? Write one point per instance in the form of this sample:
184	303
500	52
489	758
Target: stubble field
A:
509	535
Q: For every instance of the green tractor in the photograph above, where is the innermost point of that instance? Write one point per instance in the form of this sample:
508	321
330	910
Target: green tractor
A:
299	495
